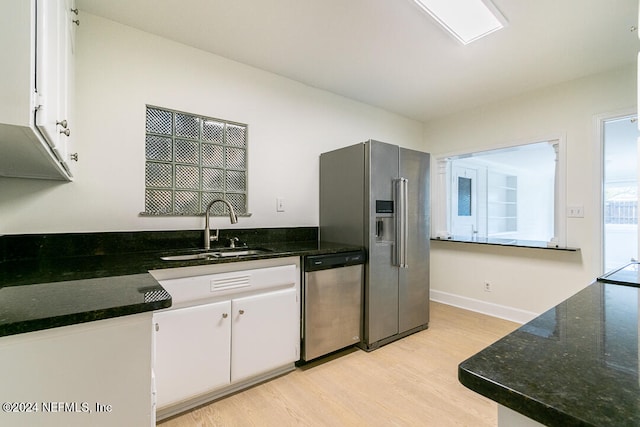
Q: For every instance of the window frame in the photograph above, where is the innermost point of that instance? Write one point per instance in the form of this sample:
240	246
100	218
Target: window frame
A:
442	205
175	141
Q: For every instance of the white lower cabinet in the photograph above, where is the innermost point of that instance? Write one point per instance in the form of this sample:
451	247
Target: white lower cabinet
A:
192	351
90	374
264	333
244	334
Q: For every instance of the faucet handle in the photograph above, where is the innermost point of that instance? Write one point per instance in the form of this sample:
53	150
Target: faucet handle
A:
232	242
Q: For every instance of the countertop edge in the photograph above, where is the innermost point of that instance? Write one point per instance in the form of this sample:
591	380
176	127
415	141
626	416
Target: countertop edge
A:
31	308
524	405
45	323
507	243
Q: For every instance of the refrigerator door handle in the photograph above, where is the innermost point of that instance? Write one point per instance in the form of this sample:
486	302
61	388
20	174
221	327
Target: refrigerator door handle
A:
402	216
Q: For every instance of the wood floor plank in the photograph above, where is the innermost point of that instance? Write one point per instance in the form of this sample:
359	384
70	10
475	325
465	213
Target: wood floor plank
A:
410	382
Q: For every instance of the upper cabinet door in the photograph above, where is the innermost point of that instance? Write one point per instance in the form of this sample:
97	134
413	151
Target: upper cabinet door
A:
49	67
54	73
70	22
36	38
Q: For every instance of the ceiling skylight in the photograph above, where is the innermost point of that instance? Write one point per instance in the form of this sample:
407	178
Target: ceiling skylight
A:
466	20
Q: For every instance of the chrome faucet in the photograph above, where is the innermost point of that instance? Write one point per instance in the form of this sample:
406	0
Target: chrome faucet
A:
208	238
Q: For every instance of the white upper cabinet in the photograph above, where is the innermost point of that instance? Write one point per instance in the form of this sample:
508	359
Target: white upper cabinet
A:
36	122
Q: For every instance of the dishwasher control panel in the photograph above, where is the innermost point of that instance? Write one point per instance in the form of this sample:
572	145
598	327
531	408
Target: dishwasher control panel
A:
343	259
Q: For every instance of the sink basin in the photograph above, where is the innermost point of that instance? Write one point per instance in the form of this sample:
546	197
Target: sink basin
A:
241	252
189	257
223	253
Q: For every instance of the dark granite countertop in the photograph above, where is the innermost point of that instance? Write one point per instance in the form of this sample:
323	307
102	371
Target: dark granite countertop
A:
574	365
57	280
46	269
40	306
627	275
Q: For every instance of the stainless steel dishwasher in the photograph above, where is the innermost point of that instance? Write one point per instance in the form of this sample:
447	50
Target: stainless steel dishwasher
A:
332	302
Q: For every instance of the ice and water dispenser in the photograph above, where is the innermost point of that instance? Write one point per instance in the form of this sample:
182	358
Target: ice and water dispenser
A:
385	225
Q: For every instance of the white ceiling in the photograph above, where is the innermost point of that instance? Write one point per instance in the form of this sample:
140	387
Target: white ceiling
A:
390	54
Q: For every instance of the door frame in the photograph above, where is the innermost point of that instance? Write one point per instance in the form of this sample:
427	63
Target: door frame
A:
599	121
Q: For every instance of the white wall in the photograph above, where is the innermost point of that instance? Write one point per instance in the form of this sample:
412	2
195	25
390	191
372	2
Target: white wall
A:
119	70
532	280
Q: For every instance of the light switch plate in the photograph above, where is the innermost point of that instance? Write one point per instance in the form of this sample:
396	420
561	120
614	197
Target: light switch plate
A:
279	204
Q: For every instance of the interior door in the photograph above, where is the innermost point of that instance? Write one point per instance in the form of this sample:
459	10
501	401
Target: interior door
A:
464	202
620	192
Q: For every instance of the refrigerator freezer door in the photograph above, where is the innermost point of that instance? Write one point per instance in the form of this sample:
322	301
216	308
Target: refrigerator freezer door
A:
413	287
381	286
342	183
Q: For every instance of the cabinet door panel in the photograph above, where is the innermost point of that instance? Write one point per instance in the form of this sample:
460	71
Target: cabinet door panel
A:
265	333
191	351
67	82
49	59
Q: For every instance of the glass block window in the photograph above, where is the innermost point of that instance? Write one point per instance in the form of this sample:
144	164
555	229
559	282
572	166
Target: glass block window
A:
191	160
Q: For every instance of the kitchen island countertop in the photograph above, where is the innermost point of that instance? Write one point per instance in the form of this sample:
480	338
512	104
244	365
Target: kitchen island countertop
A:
575	365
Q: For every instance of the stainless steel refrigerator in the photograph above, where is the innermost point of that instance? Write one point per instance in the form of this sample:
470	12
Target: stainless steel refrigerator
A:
376	195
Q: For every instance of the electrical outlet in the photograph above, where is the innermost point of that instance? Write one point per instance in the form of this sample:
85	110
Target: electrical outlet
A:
487	286
575	211
279	204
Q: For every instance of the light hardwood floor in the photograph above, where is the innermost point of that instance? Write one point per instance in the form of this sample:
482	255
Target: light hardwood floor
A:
411	382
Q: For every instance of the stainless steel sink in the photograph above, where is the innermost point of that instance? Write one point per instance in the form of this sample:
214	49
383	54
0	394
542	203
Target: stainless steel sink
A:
242	252
189	257
223	253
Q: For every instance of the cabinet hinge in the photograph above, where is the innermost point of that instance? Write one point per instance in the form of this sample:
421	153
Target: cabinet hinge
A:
36	101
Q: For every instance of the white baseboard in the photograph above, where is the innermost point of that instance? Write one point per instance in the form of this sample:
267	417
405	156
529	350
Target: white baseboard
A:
495	310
